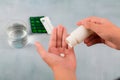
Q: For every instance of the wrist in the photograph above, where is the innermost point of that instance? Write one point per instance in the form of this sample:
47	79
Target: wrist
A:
61	73
116	38
63	69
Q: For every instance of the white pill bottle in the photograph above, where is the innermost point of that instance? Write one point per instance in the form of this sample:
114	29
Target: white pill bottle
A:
77	36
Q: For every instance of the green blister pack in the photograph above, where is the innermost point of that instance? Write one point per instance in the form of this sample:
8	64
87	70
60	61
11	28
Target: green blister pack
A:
36	25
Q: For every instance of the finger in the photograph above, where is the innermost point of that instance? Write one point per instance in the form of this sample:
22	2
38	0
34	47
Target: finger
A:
95	20
88	38
97	28
93	42
111	44
41	50
59	36
64	44
90	19
81	22
91	37
53	38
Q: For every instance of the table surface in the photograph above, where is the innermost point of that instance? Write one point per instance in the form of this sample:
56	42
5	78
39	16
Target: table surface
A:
98	62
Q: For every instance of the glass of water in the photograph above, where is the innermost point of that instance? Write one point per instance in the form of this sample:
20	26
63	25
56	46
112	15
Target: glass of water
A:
17	34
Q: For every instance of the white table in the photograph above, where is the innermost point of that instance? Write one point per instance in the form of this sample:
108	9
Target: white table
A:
98	62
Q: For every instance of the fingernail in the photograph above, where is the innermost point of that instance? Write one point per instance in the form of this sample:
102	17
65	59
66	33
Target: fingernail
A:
79	23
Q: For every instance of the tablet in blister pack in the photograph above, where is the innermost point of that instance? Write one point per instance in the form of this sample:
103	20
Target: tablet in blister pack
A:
41	24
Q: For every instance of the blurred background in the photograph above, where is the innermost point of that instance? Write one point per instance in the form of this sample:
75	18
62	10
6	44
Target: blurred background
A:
98	62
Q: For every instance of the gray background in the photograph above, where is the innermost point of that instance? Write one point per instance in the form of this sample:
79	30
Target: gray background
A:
98	62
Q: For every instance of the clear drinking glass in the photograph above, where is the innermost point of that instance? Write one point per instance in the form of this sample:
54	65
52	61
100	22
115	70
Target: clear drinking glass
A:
17	34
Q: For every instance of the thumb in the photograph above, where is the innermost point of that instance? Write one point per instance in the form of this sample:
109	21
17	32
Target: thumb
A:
97	28
41	50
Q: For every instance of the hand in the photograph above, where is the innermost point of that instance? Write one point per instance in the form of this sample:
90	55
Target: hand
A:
104	32
63	67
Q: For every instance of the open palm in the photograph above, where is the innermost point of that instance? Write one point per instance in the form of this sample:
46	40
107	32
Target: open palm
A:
58	46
